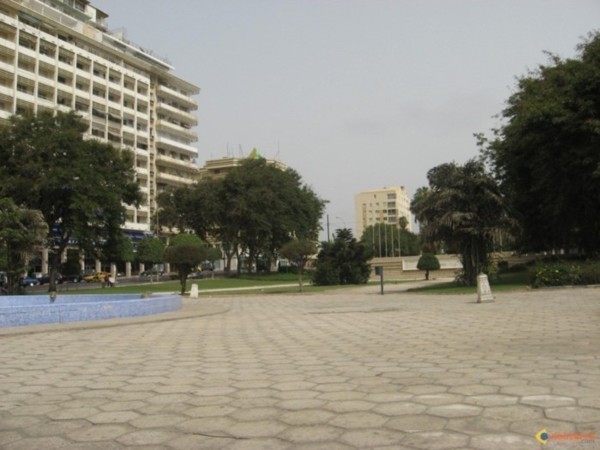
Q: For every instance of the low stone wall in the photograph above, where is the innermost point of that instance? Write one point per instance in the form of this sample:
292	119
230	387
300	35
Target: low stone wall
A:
38	309
405	268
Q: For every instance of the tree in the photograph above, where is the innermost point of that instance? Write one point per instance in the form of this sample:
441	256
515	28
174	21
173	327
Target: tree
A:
299	251
387	240
80	186
151	251
462	207
22	231
342	261
185	252
261	207
546	156
428	262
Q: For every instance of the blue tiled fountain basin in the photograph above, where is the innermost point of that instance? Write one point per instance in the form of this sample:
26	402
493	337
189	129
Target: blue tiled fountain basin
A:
38	309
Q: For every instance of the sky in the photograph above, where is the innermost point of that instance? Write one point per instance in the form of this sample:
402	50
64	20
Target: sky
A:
353	94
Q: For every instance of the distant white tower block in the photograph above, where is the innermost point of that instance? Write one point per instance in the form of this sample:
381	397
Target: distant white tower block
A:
484	292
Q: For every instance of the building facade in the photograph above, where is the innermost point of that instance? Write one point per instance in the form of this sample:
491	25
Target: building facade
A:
218	168
59	55
385	205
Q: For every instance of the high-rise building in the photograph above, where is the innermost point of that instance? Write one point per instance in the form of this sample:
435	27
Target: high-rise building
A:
59	55
385	205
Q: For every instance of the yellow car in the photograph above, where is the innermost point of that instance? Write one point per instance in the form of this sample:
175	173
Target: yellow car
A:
96	276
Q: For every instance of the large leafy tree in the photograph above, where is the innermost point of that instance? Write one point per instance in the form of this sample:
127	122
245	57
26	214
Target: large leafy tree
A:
255	209
263	207
342	261
80	186
546	153
22	231
462	207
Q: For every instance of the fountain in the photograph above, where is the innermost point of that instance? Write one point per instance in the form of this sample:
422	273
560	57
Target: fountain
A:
20	310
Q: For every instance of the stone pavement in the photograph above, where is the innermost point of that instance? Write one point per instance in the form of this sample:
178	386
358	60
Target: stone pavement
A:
340	370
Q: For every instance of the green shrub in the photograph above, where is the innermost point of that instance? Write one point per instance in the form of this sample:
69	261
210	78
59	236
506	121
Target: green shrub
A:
557	274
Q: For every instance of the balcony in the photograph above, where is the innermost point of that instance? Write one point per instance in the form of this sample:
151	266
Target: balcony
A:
175	162
171	144
171	179
5	45
179	114
178	95
177	129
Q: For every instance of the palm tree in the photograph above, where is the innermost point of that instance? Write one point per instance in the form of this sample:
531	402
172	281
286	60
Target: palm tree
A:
463	208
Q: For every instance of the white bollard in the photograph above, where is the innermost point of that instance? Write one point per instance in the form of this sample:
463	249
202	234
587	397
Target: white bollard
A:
484	292
194	291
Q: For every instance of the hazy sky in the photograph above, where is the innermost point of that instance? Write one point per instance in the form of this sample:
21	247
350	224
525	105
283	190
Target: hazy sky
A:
353	94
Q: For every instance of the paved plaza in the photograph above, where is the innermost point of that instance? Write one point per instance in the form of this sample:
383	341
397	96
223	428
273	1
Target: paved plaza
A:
341	370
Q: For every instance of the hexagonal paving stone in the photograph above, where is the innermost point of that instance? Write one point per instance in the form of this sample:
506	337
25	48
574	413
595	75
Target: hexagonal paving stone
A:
548	401
593	402
473	389
123	405
372	437
293	386
503	441
416	423
306	417
525	390
147	437
529	427
576	414
455	410
399	408
259	428
113	417
293	395
98	433
209	411
436	440
358	420
426	389
253	414
72	413
349	406
208	425
312	434
301	404
47	443
194	441
437	399
491	400
157	421
476	425
512	413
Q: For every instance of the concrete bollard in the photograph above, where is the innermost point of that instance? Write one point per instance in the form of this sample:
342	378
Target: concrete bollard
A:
194	291
484	292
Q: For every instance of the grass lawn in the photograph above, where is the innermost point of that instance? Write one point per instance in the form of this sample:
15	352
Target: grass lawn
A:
243	284
506	282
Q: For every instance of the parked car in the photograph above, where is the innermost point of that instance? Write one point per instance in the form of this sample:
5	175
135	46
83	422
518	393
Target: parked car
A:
29	281
45	278
73	278
152	272
96	276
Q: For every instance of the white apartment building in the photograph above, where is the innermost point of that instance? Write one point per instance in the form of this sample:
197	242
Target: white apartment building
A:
385	205
59	55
